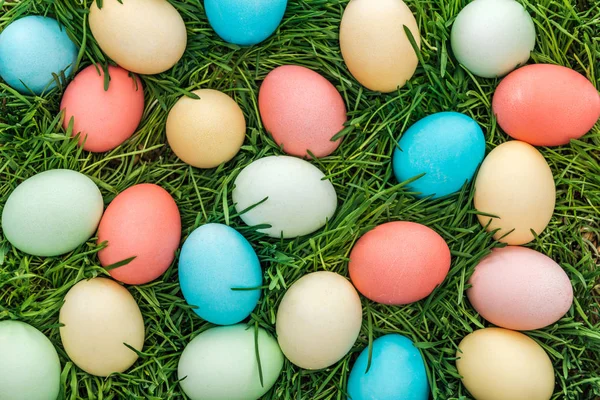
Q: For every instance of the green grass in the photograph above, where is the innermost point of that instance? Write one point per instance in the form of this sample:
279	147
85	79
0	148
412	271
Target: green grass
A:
31	141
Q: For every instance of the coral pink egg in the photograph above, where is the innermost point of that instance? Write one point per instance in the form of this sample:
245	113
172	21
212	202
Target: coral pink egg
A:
399	262
105	118
301	110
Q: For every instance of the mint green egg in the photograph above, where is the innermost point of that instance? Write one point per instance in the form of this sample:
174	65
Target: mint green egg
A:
52	213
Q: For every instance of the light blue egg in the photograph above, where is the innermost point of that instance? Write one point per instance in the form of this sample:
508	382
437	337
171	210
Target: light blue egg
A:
448	147
31	50
397	371
244	22
214	260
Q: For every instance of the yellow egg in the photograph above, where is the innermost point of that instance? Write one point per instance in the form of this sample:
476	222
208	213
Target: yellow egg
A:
142	36
499	364
374	45
516	185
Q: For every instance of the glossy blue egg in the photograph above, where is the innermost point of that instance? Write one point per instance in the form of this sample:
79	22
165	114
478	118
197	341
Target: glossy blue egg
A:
244	22
448	147
31	50
397	371
214	260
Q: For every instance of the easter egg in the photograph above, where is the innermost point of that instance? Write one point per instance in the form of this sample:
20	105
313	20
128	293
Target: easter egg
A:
447	147
395	371
492	37
399	262
302	110
142	222
208	131
520	289
52	213
499	364
318	320
294	197
104	117
220	274
142	36
221	364
244	22
546	105
29	365
515	184
100	317
375	46
32	49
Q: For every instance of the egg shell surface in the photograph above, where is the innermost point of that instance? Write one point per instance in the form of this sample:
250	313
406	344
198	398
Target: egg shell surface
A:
221	364
302	111
52	212
447	146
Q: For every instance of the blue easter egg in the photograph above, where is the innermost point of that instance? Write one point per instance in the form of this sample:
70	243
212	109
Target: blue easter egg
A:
31	50
244	22
448	147
214	260
397	371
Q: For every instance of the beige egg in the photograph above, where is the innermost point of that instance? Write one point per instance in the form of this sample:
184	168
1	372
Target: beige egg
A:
99	316
206	132
516	185
142	36
374	45
499	364
318	320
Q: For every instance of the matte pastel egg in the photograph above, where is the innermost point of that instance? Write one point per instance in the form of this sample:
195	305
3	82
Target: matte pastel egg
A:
499	364
105	118
516	186
32	49
375	46
142	222
52	213
447	147
221	364
29	365
546	105
302	110
396	370
100	317
142	36
318	320
399	262
219	274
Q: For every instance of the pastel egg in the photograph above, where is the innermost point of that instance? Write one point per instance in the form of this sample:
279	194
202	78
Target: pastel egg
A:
516	186
396	370
29	365
220	274
520	289
546	105
105	118
492	37
447	147
100	317
399	262
318	320
499	364
32	49
244	22
52	213
374	45
142	36
221	364
142	222
302	110
208	131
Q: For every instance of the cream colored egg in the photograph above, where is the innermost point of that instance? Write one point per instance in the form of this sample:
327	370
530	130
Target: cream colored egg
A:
142	36
208	131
